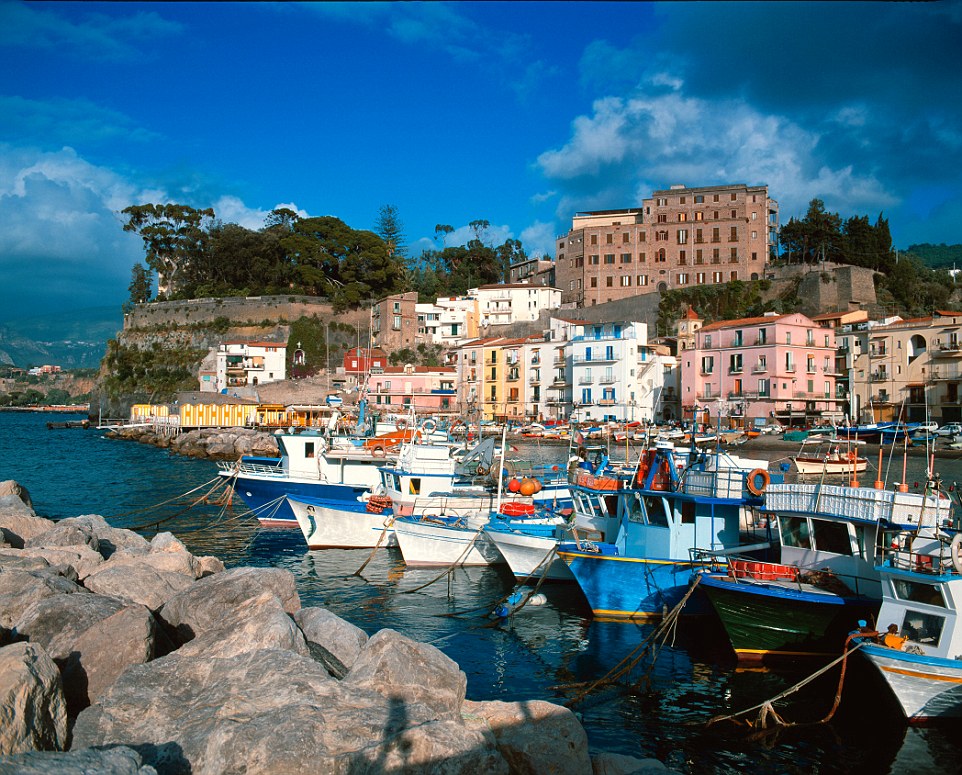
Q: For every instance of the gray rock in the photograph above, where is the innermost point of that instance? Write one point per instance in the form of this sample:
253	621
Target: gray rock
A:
394	665
217	597
57	622
33	714
137	583
19	589
18	526
12	489
82	559
14	559
261	623
274	712
65	534
535	736
103	652
619	764
117	760
110	538
209	565
333	642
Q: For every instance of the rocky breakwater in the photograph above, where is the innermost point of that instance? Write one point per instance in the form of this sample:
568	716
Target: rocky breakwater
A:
215	443
123	655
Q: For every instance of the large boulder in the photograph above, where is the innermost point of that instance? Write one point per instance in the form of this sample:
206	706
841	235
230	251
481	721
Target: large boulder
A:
104	651
117	760
272	711
212	599
19	525
19	589
72	534
333	642
92	638
535	736
137	583
12	489
82	559
394	665
57	622
109	538
261	623
14	559
33	714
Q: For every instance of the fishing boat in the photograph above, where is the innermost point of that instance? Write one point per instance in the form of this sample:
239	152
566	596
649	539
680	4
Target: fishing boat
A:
919	653
821	457
311	464
832	539
665	508
340	524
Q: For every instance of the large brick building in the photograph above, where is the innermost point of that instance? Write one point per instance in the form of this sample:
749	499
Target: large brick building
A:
678	238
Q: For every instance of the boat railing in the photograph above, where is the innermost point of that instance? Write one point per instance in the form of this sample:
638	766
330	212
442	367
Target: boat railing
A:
723	483
262	469
937	563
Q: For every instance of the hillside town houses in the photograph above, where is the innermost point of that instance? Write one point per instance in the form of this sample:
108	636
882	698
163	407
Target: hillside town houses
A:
520	352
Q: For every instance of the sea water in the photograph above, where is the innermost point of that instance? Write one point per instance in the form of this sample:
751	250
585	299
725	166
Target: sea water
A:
550	652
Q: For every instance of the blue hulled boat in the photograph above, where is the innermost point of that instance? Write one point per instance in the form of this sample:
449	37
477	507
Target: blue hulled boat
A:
673	516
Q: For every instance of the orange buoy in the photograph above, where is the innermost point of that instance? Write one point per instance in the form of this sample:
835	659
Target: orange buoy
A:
514	485
527	487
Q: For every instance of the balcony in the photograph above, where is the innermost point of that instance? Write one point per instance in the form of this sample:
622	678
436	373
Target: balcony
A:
948	350
606	402
513	377
736	370
760	368
559	361
581	359
747	395
879	376
880	352
707	396
945	375
607	379
761	340
534	380
585	381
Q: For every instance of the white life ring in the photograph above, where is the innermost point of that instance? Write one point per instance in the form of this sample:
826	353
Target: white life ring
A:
429	426
401	424
956	549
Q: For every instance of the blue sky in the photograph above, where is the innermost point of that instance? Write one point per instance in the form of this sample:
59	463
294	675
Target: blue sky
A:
517	113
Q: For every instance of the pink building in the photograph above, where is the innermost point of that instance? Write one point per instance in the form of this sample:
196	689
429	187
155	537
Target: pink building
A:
756	370
429	389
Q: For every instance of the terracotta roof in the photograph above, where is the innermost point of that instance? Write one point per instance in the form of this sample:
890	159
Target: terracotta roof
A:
690	314
744	322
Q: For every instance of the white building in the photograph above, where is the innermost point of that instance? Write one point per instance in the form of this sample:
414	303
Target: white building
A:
448	322
245	364
512	303
616	376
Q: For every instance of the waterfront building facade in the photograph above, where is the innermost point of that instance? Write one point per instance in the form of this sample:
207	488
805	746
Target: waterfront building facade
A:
680	237
754	370
427	390
912	369
246	364
504	304
449	321
394	322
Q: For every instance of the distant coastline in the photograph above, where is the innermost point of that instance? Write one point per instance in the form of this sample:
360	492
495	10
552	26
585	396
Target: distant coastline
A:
85	408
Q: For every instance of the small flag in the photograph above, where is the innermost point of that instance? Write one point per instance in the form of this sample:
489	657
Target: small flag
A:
579	438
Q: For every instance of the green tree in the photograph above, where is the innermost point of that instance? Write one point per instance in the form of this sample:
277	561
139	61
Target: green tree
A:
141	284
390	229
174	236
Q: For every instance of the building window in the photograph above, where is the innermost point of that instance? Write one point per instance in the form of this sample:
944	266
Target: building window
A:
609	258
609	281
733	234
715	235
682	217
594	282
626	281
609	239
594	239
707	364
397	323
625	238
626	258
642	280
593	260
683	236
699	199
763	388
733	256
683	278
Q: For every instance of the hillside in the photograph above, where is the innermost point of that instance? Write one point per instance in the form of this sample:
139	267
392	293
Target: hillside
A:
71	340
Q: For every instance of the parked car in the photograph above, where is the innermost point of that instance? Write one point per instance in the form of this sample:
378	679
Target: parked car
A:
950	429
927	427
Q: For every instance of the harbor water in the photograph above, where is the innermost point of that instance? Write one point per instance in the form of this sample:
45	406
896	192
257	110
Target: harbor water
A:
551	652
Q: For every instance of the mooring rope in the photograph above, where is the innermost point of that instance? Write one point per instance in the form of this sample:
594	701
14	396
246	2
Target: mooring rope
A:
388	524
766	711
450	568
626	665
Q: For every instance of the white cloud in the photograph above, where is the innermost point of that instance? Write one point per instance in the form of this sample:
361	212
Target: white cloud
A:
538	239
232	209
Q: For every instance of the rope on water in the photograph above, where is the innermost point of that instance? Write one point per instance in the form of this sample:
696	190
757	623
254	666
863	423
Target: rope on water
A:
216	481
626	665
388	524
767	711
491	606
450	568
